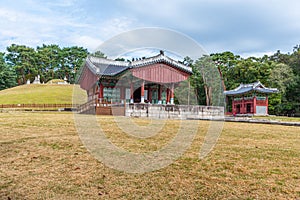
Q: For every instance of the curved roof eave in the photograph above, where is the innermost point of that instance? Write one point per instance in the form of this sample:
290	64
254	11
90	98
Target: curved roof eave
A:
116	67
236	92
266	90
107	68
247	90
161	58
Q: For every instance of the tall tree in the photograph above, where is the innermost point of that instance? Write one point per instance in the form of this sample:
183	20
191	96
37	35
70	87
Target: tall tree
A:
293	90
72	60
196	82
7	75
23	60
99	54
49	60
226	63
212	84
281	77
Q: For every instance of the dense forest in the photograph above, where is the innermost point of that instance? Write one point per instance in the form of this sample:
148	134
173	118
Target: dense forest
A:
21	63
280	70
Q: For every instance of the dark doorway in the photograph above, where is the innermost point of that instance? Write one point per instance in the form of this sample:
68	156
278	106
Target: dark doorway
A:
137	95
238	109
248	108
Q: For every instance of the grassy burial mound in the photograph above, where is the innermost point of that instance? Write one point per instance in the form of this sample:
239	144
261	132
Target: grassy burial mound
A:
38	94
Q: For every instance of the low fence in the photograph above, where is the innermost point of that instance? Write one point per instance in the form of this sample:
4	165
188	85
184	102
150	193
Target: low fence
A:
37	106
102	108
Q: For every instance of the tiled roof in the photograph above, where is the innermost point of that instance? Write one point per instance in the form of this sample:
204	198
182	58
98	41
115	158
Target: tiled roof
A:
161	58
107	67
246	88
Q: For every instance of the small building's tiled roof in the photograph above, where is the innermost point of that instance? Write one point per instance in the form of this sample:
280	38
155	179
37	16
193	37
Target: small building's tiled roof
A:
107	67
246	88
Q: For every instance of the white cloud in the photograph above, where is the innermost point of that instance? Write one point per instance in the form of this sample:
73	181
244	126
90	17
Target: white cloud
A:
115	26
8	15
156	38
68	26
233	25
86	41
61	3
256	54
32	28
256	25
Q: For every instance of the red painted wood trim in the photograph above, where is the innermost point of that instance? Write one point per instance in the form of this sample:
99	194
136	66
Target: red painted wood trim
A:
131	90
88	79
172	90
160	73
254	105
142	88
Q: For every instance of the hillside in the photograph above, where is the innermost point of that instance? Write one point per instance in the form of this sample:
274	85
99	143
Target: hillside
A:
39	94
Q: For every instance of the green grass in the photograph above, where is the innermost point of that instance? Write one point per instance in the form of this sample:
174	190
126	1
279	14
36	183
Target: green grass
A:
42	157
38	94
279	118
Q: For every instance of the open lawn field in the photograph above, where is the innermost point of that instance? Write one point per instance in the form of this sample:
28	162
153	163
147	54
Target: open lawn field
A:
42	157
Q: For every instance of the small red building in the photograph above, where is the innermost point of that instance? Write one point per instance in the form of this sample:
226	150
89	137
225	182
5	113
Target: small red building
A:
250	98
148	80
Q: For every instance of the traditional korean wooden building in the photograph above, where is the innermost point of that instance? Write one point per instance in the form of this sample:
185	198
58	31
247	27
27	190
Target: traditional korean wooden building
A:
149	80
250	98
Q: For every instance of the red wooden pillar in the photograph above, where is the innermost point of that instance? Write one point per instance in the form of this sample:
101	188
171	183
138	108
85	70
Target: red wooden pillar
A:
243	111
150	94
168	96
96	94
233	106
254	105
131	92
159	94
267	105
100	95
172	94
143	91
122	94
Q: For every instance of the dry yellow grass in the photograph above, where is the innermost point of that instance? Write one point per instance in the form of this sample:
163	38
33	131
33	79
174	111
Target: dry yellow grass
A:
41	94
42	157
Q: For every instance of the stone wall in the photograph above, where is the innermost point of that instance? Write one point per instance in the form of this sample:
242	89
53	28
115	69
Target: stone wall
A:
174	111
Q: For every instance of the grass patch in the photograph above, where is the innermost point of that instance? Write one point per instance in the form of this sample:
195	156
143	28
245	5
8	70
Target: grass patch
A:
42	157
279	118
38	94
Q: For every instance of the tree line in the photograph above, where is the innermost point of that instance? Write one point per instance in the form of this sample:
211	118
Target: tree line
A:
280	70
21	63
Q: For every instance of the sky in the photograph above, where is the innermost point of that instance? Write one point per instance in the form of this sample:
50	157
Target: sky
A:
244	27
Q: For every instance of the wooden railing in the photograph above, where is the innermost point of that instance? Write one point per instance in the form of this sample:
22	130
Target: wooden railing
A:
102	107
38	106
88	107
